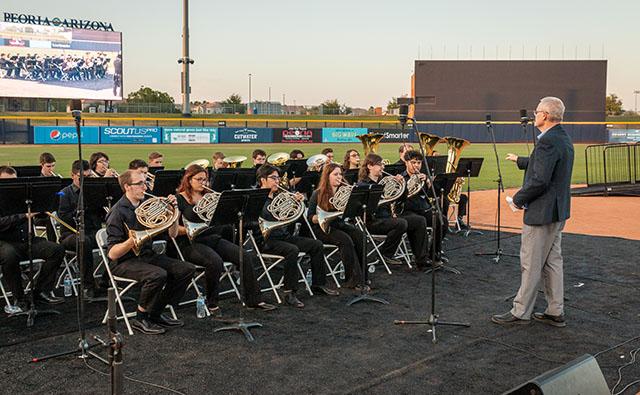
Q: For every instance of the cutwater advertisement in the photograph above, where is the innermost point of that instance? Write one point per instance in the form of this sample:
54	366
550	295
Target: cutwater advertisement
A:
130	135
189	135
342	135
65	135
245	135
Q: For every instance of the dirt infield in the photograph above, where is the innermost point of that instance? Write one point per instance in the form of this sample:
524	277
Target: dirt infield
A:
613	216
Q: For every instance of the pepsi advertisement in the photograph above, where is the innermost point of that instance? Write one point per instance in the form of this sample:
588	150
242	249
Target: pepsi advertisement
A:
342	135
130	135
65	135
245	135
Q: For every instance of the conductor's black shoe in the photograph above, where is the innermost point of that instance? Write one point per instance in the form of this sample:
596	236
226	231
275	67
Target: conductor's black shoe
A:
144	325
553	320
166	321
508	319
322	290
49	298
292	300
264	306
392	261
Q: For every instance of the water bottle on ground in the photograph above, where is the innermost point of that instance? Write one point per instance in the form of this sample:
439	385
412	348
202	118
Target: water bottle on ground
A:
309	276
68	290
201	307
341	271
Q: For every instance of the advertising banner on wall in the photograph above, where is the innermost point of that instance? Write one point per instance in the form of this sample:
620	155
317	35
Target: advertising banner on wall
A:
189	135
65	135
245	135
624	135
342	135
297	135
130	135
395	135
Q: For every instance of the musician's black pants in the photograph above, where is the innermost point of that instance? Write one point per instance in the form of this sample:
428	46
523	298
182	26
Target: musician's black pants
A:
153	272
417	234
349	240
462	206
439	233
69	244
289	248
11	253
394	228
202	253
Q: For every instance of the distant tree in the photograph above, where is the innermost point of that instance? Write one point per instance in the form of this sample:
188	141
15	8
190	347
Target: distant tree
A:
614	105
392	104
234	99
148	95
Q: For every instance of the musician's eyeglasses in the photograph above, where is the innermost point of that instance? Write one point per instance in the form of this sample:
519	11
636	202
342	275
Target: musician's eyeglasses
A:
103	161
275	178
138	184
201	180
535	112
354	154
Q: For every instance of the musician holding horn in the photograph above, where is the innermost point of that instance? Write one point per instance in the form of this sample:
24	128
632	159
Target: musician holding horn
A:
99	162
351	160
210	249
346	236
48	165
278	240
67	214
163	280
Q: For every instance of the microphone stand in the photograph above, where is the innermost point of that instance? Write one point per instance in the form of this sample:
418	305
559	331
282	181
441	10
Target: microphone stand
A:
524	121
498	254
433	320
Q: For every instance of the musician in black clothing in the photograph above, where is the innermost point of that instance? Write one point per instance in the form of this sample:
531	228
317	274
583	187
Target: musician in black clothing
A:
281	242
99	162
259	157
404	147
209	249
163	280
14	248
67	212
346	236
418	204
47	164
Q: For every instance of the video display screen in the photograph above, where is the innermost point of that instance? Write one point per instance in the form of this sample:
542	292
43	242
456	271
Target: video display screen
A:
60	62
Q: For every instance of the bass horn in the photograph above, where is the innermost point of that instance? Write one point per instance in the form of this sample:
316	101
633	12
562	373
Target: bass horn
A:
200	162
456	145
157	214
234	162
316	162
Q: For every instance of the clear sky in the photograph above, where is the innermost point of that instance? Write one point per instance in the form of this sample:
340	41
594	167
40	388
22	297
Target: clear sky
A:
358	51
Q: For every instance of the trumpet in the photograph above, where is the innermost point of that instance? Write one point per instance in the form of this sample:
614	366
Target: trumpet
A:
157	214
54	174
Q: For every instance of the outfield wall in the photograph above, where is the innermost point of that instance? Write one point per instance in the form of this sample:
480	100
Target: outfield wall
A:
18	130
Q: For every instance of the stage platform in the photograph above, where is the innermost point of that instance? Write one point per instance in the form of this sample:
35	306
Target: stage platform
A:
332	348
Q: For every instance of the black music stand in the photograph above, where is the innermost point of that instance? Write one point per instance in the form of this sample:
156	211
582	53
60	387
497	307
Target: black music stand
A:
437	164
351	176
442	182
469	167
309	183
101	193
228	179
28	196
394	169
363	203
28	171
166	182
154	170
240	206
295	168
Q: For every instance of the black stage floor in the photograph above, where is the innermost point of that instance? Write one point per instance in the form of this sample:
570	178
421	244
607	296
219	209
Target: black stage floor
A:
331	348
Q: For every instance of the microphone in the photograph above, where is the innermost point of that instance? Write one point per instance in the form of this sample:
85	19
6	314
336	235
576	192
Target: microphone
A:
404	114
76	109
524	118
487	120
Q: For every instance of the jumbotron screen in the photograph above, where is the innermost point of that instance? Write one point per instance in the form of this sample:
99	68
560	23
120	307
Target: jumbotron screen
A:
60	62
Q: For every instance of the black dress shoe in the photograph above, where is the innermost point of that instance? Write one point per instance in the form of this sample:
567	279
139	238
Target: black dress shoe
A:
292	300
262	306
166	321
553	320
48	298
147	327
508	319
322	290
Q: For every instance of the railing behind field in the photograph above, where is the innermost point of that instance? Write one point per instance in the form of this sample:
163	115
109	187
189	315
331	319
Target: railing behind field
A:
612	164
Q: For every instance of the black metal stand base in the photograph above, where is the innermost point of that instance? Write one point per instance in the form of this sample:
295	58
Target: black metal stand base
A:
365	297
242	327
83	350
470	231
433	322
443	267
497	256
33	313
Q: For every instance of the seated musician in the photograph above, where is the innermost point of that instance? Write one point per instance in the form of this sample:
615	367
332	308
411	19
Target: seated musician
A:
351	160
14	248
328	152
259	157
99	163
48	165
67	212
155	159
143	168
346	236
386	222
209	249
418	204
296	154
163	280
281	242
218	161
404	147
462	210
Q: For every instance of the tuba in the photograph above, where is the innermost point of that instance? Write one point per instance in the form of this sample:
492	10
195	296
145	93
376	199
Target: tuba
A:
285	208
200	162
157	215
234	162
456	145
316	162
279	159
428	142
339	202
370	142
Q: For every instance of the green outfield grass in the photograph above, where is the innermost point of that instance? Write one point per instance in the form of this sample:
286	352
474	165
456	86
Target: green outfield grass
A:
176	156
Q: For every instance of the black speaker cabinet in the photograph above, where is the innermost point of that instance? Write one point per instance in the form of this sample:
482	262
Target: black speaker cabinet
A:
582	376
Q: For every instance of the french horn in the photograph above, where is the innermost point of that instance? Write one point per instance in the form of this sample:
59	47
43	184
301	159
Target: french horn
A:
157	214
285	208
339	202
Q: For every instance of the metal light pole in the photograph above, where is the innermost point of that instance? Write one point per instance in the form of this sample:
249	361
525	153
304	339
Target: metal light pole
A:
249	109
185	60
635	108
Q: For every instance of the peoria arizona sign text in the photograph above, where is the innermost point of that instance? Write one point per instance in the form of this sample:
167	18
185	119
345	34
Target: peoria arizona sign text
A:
55	21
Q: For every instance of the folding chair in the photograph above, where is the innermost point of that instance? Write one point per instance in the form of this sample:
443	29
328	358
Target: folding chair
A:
69	261
333	249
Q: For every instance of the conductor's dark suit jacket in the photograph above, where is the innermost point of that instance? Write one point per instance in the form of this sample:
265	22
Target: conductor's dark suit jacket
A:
546	193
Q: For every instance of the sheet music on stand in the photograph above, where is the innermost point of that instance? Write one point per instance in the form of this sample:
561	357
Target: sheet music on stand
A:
228	179
166	182
28	171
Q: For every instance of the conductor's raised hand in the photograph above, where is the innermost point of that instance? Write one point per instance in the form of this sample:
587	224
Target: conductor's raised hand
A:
512	157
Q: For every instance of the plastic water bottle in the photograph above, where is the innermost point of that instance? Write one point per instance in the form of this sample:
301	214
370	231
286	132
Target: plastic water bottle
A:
372	268
309	276
341	271
68	290
201	307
